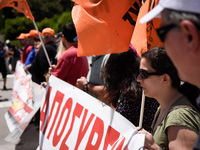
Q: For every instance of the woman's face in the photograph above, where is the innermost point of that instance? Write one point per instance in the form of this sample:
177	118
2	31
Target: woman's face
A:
151	84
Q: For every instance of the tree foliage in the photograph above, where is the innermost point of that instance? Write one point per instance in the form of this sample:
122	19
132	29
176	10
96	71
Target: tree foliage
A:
13	27
47	13
41	9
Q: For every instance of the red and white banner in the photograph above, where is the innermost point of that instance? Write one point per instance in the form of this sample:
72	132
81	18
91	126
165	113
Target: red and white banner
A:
72	119
26	100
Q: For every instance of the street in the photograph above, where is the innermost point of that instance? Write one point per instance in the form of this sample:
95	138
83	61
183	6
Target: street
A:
30	137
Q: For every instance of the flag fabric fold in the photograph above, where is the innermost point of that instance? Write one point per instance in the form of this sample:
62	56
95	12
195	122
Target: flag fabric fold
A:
104	26
20	5
144	36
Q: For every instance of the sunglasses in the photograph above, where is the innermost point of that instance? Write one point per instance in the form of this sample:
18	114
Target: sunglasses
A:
144	74
162	31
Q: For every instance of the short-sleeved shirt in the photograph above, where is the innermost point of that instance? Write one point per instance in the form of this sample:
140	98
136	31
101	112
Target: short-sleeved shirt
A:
70	67
25	52
30	57
183	116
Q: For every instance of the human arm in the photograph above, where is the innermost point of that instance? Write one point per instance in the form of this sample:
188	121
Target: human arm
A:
181	137
181	125
48	74
95	89
26	68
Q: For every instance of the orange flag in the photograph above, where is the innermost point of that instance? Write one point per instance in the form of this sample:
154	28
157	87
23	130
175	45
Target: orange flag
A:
104	26
144	35
19	5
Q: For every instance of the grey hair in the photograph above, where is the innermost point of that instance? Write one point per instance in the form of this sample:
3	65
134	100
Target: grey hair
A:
175	17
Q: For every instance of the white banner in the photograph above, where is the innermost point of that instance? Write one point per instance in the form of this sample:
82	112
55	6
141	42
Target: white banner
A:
72	119
26	98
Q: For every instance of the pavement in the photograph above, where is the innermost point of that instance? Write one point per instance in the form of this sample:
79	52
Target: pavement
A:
30	137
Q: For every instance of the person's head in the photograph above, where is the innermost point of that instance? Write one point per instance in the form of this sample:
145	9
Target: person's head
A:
33	37
180	31
157	72
68	35
48	35
119	75
23	39
58	37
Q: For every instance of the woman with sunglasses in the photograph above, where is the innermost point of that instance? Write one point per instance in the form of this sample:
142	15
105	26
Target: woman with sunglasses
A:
123	91
176	123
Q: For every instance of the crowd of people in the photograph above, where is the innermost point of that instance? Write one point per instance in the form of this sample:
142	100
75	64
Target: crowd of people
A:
9	55
168	76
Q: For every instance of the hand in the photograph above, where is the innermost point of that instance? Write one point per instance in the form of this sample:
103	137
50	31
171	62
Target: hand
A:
81	83
52	68
26	68
149	140
43	84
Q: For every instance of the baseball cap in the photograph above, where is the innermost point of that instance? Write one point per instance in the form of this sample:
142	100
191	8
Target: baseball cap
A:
48	32
179	5
34	33
23	36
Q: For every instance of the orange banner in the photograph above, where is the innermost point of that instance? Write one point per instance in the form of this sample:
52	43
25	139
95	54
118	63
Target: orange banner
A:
104	26
19	5
144	35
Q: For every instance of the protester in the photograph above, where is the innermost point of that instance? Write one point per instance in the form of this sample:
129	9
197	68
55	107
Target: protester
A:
93	84
123	91
34	40
58	38
180	32
40	65
16	56
23	39
3	65
27	49
176	123
70	67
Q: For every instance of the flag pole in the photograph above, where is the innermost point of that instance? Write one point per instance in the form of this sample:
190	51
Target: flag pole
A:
142	110
45	51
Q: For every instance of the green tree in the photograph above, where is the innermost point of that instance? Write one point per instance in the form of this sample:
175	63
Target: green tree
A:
64	18
13	27
48	8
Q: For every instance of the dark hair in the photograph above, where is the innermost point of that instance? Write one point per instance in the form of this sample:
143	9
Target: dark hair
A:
163	65
69	32
119	75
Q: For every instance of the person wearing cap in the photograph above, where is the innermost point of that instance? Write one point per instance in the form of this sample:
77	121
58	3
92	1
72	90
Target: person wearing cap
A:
180	32
27	46
33	40
70	67
40	65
